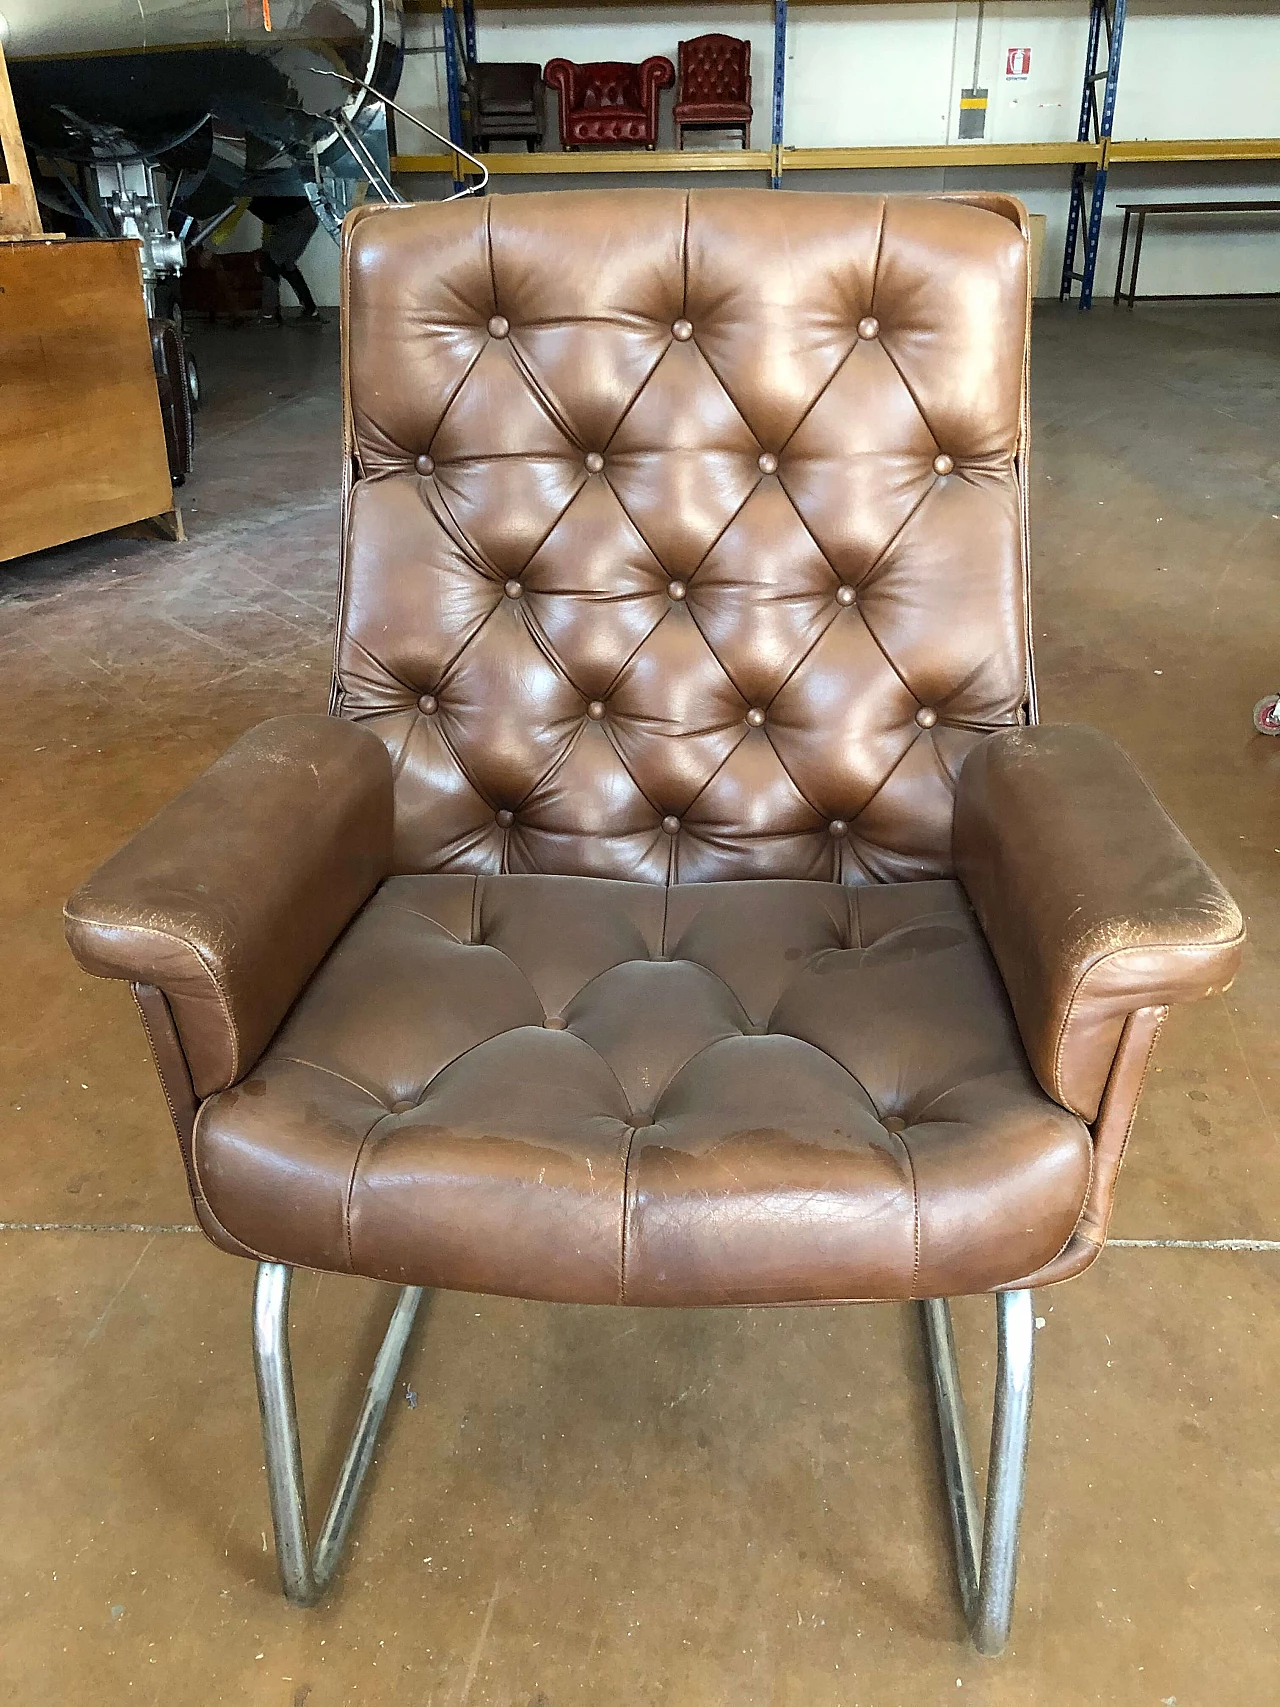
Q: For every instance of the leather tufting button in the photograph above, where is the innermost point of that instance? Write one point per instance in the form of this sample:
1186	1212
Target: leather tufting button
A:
894	1123
504	819
424	464
767	462
676	590
594	461
837	828
869	327
845	595
403	1106
671	824
513	589
926	717
499	326
942	463
554	1022
429	704
595	711
755	717
682	331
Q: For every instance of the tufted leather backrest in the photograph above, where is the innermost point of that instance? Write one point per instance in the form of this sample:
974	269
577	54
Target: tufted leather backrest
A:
608	83
714	69
684	531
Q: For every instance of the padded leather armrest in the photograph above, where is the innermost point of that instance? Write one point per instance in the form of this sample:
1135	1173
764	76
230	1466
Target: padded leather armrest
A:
232	895
558	74
656	72
1092	900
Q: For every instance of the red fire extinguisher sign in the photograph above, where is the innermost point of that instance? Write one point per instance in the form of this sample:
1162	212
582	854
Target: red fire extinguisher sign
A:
1017	62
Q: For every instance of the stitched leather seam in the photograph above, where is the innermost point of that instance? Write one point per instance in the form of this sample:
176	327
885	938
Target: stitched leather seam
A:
884	782
702	1049
915	1214
488	245
477	911
318	1067
813	644
625	1219
684	259
351	1189
385	906
204	1195
550	404
193	1180
1179	948
155	1055
541	644
813	403
435	501
666	908
911	394
644	639
715	773
205	967
498	576
875	265
1133	1115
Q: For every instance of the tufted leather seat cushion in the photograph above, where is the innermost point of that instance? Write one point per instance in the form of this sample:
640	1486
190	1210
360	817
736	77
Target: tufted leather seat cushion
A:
564	1088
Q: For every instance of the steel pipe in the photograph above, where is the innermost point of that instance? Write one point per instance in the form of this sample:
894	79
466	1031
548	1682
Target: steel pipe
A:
986	1548
305	1575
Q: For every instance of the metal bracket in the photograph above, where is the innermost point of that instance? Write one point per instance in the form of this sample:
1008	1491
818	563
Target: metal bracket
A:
304	1573
986	1552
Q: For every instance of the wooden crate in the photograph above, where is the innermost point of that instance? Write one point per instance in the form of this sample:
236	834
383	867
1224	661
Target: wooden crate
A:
81	440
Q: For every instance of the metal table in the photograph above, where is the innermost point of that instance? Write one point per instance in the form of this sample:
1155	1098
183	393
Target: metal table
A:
1142	209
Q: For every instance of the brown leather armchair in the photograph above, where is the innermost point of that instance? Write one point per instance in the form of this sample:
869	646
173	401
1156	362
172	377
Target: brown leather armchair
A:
713	89
609	104
680	905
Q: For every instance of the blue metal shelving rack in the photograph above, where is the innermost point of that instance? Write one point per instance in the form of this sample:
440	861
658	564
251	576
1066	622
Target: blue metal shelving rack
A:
460	53
1106	17
1097	115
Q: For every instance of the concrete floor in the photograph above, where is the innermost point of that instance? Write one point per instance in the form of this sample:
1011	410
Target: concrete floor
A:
713	1509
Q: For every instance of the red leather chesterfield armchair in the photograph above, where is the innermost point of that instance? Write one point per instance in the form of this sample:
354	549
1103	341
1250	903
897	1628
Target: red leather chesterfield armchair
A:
713	90
680	904
609	105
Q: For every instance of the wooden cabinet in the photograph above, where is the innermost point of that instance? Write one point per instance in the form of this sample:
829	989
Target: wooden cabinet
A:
81	440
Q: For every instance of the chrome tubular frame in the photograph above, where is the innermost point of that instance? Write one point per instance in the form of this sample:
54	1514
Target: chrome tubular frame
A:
304	1575
986	1552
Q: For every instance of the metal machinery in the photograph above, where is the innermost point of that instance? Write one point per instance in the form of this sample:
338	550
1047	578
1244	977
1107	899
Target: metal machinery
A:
152	119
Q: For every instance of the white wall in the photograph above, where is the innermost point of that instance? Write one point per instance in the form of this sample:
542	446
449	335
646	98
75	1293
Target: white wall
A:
892	74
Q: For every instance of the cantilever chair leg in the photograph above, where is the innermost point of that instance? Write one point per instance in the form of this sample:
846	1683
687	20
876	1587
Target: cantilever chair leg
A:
986	1554
304	1575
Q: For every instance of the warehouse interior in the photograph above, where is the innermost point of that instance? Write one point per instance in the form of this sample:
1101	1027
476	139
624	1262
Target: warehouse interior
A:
699	1506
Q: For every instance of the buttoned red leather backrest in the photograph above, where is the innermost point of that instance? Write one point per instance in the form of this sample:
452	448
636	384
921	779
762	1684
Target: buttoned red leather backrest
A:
610	83
714	68
686	532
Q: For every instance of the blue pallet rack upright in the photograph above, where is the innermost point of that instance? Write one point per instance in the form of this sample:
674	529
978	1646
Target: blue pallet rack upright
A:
459	57
779	89
1096	119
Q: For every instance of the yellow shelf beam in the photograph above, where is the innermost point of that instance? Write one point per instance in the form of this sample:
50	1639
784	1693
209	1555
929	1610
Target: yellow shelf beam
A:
1188	150
637	160
943	154
604	160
